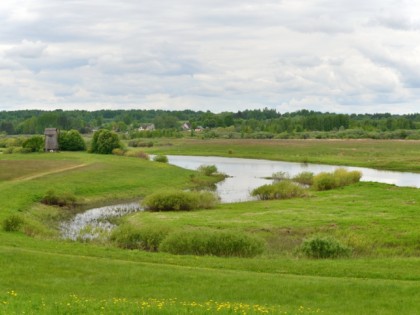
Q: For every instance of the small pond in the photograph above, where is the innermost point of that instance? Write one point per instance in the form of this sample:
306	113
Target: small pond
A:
94	222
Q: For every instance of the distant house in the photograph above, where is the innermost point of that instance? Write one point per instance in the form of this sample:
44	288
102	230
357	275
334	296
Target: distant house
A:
186	126
146	127
51	139
199	129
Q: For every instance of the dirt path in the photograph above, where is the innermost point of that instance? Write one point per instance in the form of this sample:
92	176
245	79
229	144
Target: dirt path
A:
59	170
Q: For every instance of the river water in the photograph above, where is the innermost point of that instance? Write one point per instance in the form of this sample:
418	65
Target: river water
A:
247	174
244	176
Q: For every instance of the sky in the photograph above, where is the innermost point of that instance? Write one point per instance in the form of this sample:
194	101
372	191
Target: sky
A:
346	56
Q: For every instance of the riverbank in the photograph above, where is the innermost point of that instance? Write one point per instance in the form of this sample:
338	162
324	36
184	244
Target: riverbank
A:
394	155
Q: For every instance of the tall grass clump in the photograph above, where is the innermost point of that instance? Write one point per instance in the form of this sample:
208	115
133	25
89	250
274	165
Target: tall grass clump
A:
304	178
285	189
212	242
339	178
161	158
208	170
13	223
138	154
180	200
324	247
51	198
143	238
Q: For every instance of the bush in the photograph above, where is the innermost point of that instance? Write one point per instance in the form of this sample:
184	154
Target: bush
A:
144	238
207	170
118	151
324	247
282	190
324	181
138	154
212	242
279	176
304	178
104	141
180	200
34	144
161	158
71	141
12	223
339	178
64	200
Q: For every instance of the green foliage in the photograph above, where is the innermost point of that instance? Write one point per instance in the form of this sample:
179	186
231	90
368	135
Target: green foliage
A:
118	151
104	141
324	247
143	238
285	189
339	178
140	144
71	141
304	178
212	242
138	154
13	223
161	158
180	200
63	200
208	170
34	144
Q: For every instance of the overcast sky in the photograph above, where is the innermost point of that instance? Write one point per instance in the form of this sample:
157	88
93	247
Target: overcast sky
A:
349	56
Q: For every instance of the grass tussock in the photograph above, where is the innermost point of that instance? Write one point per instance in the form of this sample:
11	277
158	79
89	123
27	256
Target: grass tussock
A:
52	198
13	223
285	189
212	242
161	158
143	238
339	178
180	200
324	247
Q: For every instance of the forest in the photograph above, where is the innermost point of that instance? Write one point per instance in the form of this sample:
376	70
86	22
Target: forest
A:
256	123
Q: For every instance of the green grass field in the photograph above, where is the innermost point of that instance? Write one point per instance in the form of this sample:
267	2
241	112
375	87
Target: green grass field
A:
41	274
381	154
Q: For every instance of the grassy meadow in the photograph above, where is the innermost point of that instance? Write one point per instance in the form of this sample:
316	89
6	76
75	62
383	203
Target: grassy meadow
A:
42	274
394	155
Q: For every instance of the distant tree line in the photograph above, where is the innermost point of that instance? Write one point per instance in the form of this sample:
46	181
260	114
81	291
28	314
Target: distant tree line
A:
168	123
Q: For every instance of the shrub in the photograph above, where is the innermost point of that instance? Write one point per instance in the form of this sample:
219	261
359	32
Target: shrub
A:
104	141
138	154
324	247
304	178
180	200
339	178
207	170
12	223
144	238
118	151
161	158
34	144
64	200
71	141
282	190
212	242
344	177
324	181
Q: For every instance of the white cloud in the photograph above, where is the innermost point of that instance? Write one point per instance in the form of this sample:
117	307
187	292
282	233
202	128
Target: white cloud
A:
347	56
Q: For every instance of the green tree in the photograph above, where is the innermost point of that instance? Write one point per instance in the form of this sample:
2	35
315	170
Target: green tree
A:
34	144
104	141
71	141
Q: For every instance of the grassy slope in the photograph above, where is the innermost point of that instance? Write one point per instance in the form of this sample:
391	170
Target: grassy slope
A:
380	215
381	154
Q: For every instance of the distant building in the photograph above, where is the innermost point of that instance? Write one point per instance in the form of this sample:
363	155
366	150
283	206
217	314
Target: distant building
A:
146	127
186	126
51	139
